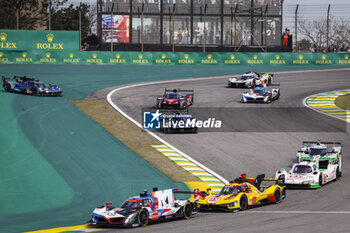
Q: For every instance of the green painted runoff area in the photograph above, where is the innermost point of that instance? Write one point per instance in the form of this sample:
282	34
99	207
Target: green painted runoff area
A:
56	163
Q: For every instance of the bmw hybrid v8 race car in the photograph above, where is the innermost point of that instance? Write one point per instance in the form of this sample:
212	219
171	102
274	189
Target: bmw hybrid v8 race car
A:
261	94
30	86
175	98
242	193
250	79
142	209
317	164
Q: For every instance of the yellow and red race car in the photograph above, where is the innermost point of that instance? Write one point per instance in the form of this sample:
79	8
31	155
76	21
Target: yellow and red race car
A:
243	193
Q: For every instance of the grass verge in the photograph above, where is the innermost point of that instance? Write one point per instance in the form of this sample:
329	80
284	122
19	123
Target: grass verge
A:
343	102
136	139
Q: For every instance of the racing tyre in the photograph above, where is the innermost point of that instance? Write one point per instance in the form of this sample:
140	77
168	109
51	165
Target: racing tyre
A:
320	183
7	87
278	95
338	174
187	211
284	194
35	91
268	100
277	195
142	218
243	203
269	82
282	180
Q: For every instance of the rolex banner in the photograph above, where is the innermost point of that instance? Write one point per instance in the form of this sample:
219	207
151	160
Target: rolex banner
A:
36	56
29	40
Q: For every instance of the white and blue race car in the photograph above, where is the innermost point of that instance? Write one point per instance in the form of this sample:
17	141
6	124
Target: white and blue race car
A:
145	208
261	94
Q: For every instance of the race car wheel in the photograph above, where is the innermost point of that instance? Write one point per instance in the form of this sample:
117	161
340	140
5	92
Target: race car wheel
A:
284	194
269	82
243	203
338	174
278	95
320	180
34	91
277	196
142	218
7	87
187	211
268	100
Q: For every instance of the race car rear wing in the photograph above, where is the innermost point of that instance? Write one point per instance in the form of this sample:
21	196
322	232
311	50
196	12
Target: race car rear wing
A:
326	143
178	90
261	74
258	180
174	111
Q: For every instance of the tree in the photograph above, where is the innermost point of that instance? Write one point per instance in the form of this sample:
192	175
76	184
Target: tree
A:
68	19
26	14
304	45
316	31
22	14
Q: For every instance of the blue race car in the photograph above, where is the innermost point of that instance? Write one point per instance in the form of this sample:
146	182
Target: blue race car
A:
30	86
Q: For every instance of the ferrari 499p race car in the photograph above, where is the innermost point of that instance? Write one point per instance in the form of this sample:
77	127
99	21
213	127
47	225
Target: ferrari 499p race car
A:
142	209
250	80
30	86
242	193
317	164
175	98
261	94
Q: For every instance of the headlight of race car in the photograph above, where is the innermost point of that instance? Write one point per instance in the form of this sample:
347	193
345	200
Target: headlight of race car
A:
266	98
308	182
232	204
131	217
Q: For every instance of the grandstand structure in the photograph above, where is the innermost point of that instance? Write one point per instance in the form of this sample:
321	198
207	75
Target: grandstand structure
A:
191	25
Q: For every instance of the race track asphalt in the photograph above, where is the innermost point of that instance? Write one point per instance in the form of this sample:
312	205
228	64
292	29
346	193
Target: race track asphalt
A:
259	139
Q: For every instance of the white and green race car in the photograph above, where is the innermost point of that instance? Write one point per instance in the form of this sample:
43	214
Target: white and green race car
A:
317	164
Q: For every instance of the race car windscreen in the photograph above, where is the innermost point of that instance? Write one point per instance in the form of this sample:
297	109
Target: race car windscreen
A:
318	151
133	204
230	190
259	92
172	96
302	169
245	77
41	85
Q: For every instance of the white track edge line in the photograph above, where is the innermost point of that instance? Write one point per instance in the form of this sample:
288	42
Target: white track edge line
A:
109	100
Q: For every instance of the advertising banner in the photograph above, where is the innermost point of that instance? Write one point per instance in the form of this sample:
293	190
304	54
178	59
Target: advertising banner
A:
168	58
120	28
25	40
